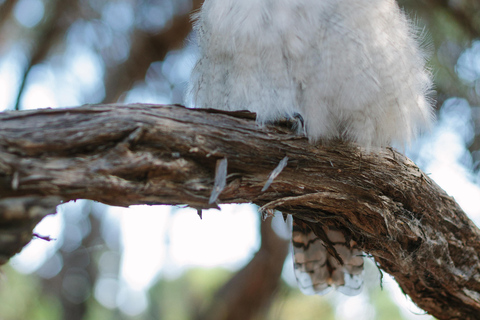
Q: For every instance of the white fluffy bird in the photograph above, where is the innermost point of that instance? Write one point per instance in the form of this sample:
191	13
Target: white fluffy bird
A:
353	69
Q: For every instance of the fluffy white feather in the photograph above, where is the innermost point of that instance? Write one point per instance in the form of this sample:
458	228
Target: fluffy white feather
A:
353	69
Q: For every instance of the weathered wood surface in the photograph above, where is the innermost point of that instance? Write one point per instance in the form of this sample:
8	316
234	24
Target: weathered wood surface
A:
144	154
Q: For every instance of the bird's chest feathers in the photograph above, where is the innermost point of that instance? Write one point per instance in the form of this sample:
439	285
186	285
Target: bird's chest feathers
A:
251	24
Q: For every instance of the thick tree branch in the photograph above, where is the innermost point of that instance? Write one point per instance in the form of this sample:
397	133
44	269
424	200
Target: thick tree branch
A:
124	155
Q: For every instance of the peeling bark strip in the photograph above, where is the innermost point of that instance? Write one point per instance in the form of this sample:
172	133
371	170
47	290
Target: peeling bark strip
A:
220	179
145	154
275	173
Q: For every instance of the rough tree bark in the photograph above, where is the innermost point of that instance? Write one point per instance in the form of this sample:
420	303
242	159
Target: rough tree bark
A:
124	155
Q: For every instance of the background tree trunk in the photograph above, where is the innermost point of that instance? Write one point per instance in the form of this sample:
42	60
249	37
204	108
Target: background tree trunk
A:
249	293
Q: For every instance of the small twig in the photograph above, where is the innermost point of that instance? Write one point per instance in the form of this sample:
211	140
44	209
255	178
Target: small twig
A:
46	238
